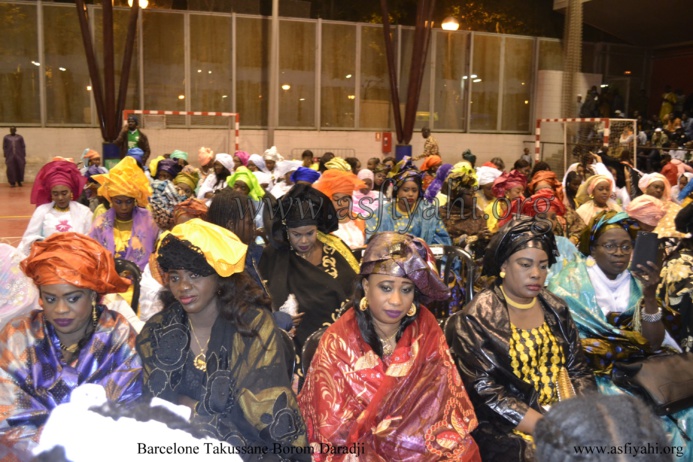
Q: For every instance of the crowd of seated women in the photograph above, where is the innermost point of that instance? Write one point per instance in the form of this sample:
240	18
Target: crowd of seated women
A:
284	304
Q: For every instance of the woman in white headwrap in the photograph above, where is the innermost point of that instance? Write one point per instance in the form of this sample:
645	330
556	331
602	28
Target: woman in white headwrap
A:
271	157
223	166
283	173
257	163
265	180
486	177
683	180
365	196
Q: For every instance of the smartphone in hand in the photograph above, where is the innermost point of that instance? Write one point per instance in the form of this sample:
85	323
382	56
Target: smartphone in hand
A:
646	249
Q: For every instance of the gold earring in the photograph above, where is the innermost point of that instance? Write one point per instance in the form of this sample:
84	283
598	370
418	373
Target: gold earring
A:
93	311
412	310
502	274
363	304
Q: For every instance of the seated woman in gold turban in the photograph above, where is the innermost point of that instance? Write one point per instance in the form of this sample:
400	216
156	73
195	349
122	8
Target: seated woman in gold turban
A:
215	348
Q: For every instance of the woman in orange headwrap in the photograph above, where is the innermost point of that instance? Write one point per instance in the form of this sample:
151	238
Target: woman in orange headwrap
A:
56	188
429	169
73	340
127	229
339	186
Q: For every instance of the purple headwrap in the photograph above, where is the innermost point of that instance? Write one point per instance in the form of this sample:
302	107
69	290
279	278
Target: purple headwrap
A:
91	171
137	153
169	166
437	184
305	174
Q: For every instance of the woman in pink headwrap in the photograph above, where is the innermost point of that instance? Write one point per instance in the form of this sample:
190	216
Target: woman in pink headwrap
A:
57	186
508	190
594	195
241	158
647	211
205	157
657	186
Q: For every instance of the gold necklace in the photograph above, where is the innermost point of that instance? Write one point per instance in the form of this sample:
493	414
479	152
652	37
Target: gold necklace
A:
71	349
306	256
514	304
387	347
60	209
200	360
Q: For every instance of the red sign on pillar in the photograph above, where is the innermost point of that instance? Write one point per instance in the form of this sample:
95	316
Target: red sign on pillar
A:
387	142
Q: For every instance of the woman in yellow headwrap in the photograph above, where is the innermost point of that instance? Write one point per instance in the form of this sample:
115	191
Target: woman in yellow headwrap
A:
127	229
215	348
186	182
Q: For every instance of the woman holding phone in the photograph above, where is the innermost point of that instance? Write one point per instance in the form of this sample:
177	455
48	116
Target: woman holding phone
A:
616	309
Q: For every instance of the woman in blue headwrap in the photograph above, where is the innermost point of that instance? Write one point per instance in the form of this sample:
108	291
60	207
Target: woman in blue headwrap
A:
305	175
407	213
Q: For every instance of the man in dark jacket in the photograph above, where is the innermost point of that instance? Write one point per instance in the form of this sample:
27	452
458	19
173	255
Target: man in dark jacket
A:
132	137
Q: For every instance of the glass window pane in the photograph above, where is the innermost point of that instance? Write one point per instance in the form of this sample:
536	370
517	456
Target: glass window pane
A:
252	62
210	66
626	61
338	84
423	115
19	78
485	79
550	55
296	74
68	90
451	80
375	109
517	82
588	55
121	18
164	61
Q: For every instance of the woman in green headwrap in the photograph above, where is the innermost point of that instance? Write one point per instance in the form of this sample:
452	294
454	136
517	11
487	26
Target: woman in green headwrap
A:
243	181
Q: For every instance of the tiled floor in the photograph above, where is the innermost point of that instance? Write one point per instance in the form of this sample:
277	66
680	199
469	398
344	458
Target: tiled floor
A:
15	212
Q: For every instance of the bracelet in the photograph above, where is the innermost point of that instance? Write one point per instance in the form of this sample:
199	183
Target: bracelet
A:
655	317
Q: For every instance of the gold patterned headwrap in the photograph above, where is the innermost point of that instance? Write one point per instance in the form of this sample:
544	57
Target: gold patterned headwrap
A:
222	250
125	179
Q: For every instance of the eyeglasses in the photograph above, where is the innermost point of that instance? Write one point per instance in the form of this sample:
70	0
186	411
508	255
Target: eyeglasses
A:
611	248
